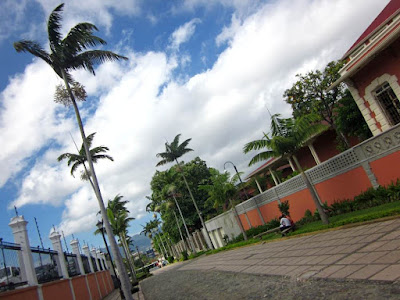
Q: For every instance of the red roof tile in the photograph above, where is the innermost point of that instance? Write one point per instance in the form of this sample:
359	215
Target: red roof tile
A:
392	7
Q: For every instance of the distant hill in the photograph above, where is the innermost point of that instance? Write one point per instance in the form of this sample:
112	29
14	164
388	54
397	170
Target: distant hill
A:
141	241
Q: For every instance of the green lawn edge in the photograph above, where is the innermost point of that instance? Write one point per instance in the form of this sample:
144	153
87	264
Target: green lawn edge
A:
377	214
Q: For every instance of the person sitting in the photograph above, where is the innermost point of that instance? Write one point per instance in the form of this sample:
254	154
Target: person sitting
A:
285	224
291	221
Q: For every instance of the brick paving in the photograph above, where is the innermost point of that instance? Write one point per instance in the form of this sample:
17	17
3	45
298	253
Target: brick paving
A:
369	252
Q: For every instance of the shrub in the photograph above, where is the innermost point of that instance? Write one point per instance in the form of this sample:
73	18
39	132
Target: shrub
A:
170	259
284	207
184	255
308	217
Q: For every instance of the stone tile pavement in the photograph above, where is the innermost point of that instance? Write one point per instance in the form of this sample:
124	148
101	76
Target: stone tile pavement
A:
369	252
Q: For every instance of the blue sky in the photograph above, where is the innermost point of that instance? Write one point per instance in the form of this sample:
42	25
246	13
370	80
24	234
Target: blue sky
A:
207	69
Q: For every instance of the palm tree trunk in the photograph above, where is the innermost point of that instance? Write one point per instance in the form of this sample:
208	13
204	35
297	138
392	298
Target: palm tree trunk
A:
125	283
313	193
129	256
184	224
162	242
179	227
195	205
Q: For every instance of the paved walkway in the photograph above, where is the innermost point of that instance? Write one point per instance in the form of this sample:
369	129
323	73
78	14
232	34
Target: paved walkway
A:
369	252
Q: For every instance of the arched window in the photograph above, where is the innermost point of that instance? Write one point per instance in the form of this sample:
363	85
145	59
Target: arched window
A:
389	102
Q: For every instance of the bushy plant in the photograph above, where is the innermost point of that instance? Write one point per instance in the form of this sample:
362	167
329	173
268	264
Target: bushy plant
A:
284	207
308	217
184	255
170	259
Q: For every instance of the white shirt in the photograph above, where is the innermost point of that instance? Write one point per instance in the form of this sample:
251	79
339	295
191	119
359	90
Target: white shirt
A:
285	222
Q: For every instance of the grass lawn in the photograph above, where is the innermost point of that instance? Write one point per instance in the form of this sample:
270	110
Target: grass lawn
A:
373	213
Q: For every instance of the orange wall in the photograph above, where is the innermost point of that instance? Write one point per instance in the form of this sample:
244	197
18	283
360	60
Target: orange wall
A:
344	186
387	169
59	290
29	293
299	202
109	281
270	211
254	218
244	222
102	283
80	288
93	287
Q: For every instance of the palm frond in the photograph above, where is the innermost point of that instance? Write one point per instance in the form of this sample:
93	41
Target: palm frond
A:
88	59
81	37
54	27
34	49
256	145
261	157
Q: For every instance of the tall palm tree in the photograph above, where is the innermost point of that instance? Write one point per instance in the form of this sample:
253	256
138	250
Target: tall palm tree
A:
76	160
288	136
67	54
172	152
168	191
119	221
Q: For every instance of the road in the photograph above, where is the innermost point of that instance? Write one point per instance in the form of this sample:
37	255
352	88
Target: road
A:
361	262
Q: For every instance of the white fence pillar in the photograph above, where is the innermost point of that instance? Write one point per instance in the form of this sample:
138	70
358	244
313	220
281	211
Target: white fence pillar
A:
55	238
85	249
99	257
18	226
94	254
75	249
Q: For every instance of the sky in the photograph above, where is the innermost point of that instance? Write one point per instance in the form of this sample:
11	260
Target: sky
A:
207	69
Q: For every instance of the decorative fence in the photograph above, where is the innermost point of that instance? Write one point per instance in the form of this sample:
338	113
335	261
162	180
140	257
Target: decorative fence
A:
10	271
372	163
33	272
45	262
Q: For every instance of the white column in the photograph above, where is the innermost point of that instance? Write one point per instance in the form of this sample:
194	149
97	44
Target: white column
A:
103	258
75	249
273	177
291	164
55	238
85	249
314	154
258	186
18	226
94	254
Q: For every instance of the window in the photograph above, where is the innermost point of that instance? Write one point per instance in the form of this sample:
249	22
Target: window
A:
389	103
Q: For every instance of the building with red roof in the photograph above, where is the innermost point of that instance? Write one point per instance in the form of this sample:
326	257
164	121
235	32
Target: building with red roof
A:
372	72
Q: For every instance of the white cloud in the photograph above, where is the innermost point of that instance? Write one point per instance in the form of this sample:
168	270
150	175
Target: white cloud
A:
183	34
140	104
11	15
94	11
29	118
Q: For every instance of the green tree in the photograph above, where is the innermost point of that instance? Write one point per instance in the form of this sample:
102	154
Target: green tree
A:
348	118
310	94
285	143
119	218
221	190
77	160
172	152
70	53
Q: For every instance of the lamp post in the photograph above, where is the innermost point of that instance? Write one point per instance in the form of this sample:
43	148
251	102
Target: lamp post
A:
240	179
101	228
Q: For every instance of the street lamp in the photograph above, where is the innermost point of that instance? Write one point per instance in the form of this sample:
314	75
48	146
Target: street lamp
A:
240	179
101	228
